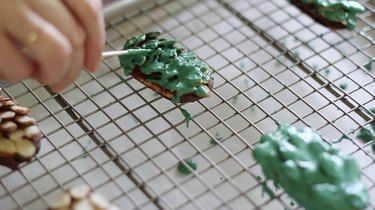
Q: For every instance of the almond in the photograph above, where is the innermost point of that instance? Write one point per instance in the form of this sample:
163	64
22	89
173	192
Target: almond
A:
7	115
99	201
83	205
80	192
33	132
20	109
8	102
113	207
25	149
8	127
25	120
7	148
17	135
61	202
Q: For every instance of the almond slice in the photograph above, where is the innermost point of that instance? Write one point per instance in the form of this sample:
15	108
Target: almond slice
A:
99	201
25	149
8	102
83	205
20	109
113	207
33	133
7	115
61	202
80	192
25	120
8	127
7	148
17	135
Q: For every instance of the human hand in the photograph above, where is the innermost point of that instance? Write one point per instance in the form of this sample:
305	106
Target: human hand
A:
50	40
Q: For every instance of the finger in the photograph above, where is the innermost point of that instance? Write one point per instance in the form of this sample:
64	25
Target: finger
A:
58	15
89	13
51	49
74	70
66	23
14	65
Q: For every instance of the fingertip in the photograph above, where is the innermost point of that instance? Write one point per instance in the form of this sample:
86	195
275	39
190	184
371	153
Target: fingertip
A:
92	60
55	88
92	66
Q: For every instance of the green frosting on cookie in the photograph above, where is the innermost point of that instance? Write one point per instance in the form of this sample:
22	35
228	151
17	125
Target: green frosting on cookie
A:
316	175
343	11
177	71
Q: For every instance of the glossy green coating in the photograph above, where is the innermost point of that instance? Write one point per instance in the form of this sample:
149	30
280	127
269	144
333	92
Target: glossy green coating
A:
187	117
179	72
343	11
368	66
314	174
343	86
216	139
185	170
367	133
344	136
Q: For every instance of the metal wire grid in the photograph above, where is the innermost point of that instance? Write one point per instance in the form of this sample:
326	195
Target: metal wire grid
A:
270	62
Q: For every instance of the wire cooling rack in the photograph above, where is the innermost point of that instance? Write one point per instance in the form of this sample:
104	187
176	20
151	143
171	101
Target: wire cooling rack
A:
270	61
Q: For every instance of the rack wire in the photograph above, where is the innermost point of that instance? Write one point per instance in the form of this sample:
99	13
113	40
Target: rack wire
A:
270	62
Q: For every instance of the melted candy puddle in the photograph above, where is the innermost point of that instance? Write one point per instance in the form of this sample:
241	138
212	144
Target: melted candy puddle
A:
343	86
186	170
216	139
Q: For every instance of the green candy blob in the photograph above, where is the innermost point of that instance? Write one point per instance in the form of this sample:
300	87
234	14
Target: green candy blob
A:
367	133
177	71
343	11
185	170
315	174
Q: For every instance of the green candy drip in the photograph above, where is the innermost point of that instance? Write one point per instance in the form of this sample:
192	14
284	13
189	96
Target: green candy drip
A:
177	71
187	117
316	175
344	136
368	66
344	11
186	170
367	133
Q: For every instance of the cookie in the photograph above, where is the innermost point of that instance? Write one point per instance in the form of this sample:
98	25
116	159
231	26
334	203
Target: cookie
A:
314	174
81	198
336	14
19	134
166	68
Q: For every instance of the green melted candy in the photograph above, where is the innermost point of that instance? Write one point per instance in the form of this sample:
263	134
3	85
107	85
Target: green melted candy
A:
187	117
315	174
343	11
185	170
368	66
177	71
